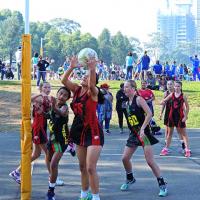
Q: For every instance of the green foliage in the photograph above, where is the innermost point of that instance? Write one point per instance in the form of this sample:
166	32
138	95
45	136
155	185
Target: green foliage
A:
104	41
61	37
65	25
10	32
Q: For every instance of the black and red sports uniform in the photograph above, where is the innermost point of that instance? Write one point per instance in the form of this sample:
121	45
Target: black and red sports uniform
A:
85	130
39	125
176	113
167	109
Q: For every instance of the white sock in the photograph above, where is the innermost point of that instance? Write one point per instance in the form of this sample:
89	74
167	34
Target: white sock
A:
84	193
95	197
52	184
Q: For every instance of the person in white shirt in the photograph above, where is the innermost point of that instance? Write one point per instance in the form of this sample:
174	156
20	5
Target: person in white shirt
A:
18	56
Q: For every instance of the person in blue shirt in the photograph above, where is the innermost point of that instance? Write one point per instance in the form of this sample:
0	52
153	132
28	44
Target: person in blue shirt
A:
157	68
137	71
174	70
181	72
195	67
66	63
167	70
145	60
129	65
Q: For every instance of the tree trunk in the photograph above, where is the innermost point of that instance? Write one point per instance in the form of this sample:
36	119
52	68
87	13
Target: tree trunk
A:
11	54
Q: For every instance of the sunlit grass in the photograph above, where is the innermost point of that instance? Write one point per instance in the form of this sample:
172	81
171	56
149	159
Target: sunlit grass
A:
12	90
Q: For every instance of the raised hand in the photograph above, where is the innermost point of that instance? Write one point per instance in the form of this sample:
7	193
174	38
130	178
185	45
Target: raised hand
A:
91	63
73	62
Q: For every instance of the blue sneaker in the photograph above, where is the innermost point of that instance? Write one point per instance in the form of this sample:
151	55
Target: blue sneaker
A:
16	176
50	195
126	186
163	191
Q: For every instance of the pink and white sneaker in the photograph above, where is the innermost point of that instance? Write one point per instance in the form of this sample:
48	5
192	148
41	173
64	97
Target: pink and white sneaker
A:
164	152
187	153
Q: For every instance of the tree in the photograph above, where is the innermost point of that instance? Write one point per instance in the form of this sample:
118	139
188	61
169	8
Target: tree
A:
53	46
11	29
65	25
120	47
158	46
105	50
38	30
75	42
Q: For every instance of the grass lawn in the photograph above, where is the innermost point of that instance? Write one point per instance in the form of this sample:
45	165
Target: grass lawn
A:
10	103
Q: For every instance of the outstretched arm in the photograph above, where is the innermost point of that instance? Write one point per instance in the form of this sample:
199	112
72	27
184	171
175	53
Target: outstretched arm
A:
92	78
163	107
34	97
65	80
163	102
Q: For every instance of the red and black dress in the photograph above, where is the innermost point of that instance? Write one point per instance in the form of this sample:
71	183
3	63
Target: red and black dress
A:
167	109
176	113
39	125
85	130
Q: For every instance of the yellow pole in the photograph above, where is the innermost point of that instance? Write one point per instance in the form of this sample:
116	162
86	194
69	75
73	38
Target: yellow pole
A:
26	135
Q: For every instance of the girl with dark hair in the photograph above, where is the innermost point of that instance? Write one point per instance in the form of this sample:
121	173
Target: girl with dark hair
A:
178	115
59	134
86	131
139	116
41	106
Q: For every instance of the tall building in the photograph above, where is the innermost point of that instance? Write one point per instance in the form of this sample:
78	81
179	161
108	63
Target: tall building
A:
176	22
198	23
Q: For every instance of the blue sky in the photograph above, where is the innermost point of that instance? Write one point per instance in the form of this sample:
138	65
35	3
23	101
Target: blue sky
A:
135	18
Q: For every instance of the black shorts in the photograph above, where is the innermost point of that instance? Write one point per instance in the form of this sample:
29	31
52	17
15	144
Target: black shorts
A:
134	140
58	147
86	135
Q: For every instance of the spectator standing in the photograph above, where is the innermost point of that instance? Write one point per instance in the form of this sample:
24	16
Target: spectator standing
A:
129	66
174	71
157	68
3	70
42	65
34	64
18	56
195	67
121	100
145	60
167	70
107	106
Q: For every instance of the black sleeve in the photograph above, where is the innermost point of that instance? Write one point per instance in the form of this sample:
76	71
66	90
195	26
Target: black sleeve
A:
118	96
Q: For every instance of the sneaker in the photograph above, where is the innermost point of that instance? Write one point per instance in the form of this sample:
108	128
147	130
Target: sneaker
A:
72	152
89	197
164	152
126	186
121	131
108	132
16	176
187	153
158	133
71	149
50	195
59	182
163	191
